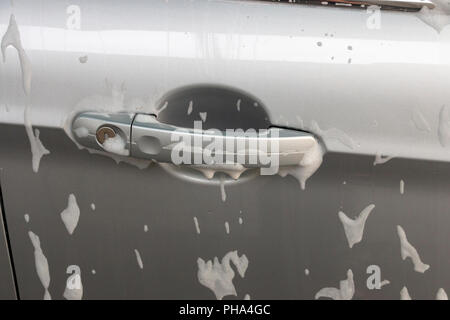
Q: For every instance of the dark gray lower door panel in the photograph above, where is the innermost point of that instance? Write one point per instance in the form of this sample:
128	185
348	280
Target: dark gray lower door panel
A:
7	288
284	230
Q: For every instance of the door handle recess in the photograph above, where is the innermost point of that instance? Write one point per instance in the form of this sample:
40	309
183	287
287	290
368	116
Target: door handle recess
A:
142	136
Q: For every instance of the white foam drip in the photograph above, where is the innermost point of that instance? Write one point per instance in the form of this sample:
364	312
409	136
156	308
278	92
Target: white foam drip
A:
354	228
223	194
12	38
444	127
93	206
238	105
420	121
233	170
247	297
116	145
37	148
145	228
227	227
306	272
81	132
218	276
384	283
26	216
402	187
71	214
404	294
345	292
197	227
240	220
41	264
306	168
438	17
139	259
381	159
203	115
190	108
83	59
333	134
93	271
407	250
74	287
441	295
158	111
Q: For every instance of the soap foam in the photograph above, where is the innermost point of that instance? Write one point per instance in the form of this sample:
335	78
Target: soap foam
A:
354	229
218	276
37	148
12	38
309	164
139	259
407	250
41	264
71	214
345	292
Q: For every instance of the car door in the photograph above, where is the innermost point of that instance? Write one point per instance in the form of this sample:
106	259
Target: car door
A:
369	86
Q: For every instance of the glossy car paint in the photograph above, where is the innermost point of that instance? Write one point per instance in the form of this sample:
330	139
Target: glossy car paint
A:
292	58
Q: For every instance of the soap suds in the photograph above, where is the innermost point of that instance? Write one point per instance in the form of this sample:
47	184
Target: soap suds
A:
407	250
354	229
306	272
437	18
233	170
93	206
238	105
139	259
420	121
203	115
444	127
74	287
157	112
404	294
190	108
306	168
81	132
37	148
145	228
71	214
116	145
247	297
41	264
83	59
113	103
333	134
384	283
345	292
26	217
12	38
380	159
93	271
240	220
197	227
227	227
222	189
402	187
218	276
441	295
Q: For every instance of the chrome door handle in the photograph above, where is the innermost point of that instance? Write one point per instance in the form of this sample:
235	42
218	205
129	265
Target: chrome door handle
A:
143	136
